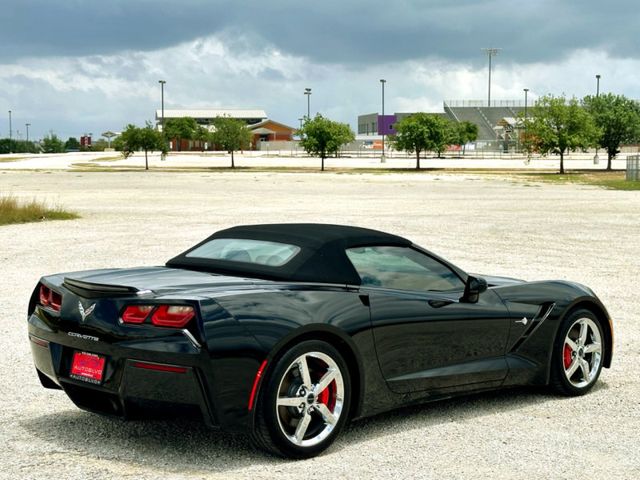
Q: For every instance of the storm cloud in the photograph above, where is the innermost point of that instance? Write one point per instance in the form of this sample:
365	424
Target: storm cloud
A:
77	66
330	31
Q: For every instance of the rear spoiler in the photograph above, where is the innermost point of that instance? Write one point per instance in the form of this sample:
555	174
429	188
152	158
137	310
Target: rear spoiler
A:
91	290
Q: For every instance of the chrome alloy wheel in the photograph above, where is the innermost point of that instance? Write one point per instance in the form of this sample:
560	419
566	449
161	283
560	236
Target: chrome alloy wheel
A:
310	399
582	352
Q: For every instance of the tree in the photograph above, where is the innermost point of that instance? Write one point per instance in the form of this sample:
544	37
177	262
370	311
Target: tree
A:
557	125
420	132
618	119
147	139
323	137
202	134
17	146
463	133
52	144
179	129
231	134
72	144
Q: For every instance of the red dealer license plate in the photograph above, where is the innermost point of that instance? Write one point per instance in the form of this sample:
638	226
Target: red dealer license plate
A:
87	367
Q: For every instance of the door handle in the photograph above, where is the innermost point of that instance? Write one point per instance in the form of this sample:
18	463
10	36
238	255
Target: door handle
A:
440	303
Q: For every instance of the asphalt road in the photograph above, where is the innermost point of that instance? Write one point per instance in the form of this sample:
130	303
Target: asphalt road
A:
486	225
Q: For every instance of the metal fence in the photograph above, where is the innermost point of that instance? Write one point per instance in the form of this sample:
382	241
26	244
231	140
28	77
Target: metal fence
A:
483	103
633	167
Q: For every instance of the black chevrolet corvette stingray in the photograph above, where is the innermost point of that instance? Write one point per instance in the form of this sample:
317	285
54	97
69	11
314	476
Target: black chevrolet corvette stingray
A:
288	331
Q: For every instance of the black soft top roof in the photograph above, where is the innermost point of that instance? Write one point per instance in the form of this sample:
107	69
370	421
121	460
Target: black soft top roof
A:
321	258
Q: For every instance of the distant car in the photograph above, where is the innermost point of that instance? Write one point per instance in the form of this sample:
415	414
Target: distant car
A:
288	331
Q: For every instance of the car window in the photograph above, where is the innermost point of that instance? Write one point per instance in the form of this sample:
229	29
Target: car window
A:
260	252
402	268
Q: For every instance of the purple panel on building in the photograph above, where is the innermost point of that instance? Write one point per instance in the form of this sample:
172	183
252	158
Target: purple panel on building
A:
385	124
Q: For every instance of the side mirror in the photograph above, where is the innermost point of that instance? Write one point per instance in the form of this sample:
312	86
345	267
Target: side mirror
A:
475	286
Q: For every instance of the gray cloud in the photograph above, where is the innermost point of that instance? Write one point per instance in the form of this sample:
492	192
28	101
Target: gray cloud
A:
346	32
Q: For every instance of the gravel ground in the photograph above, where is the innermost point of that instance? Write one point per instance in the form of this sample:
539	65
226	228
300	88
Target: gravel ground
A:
484	224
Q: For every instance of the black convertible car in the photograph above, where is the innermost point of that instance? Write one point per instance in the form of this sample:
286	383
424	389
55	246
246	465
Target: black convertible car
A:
288	331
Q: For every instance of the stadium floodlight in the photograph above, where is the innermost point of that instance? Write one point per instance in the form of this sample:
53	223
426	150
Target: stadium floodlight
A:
491	52
307	92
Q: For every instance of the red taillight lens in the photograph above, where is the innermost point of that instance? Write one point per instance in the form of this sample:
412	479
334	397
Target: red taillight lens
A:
44	295
176	316
49	298
55	300
136	313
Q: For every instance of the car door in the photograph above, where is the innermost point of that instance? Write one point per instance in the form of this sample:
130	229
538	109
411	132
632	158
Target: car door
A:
426	338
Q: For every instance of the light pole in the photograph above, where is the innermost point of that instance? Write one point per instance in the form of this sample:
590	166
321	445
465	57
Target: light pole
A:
162	82
10	133
27	125
526	92
382	82
491	52
596	159
307	92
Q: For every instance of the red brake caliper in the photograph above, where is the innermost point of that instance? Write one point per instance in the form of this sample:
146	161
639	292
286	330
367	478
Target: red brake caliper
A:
324	396
328	396
567	355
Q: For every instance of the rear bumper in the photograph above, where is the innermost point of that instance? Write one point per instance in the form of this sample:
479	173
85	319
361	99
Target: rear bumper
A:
138	380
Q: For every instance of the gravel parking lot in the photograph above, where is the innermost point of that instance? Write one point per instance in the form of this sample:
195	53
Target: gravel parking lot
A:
490	225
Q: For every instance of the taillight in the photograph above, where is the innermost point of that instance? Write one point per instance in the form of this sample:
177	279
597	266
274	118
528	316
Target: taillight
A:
176	316
50	298
136	313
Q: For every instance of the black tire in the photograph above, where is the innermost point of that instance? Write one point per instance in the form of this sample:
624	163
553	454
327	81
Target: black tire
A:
564	356
276	426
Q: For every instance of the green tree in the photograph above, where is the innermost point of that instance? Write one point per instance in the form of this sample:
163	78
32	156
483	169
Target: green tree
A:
17	146
179	129
147	139
421	132
618	119
202	134
72	144
557	125
231	134
323	137
52	144
463	133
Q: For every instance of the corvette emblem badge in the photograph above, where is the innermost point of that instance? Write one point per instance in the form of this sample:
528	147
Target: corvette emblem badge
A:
84	313
524	321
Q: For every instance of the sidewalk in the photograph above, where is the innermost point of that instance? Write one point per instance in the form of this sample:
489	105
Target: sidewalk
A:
102	160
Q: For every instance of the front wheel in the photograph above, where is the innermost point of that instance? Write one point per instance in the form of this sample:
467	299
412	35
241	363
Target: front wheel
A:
578	354
305	402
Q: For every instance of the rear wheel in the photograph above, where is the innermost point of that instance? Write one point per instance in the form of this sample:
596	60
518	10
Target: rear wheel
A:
305	402
578	354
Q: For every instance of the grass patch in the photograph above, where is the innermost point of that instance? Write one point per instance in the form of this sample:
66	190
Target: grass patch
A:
107	159
10	159
614	180
13	211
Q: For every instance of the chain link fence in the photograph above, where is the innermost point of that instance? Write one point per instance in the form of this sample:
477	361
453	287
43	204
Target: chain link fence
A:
633	168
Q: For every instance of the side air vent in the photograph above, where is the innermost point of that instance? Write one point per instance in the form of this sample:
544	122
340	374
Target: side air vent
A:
96	290
541	316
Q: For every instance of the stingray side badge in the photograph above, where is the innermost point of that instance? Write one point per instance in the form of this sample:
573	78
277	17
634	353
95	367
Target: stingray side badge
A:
84	313
524	321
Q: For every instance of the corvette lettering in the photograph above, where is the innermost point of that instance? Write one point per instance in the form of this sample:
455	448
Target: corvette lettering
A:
83	337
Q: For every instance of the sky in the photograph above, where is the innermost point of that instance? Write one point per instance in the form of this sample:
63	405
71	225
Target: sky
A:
87	66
